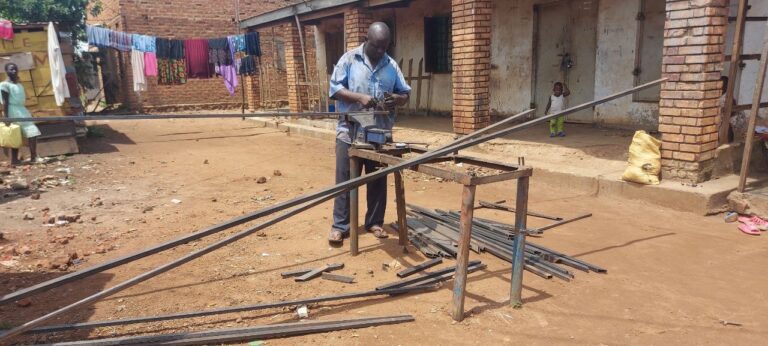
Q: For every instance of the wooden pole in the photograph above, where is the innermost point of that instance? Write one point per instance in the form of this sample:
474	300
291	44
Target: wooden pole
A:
518	250
733	72
462	254
753	114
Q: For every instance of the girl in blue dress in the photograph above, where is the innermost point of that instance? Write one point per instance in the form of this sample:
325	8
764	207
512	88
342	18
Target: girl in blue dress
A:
12	98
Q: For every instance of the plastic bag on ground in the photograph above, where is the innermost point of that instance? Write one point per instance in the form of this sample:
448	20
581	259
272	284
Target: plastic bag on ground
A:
644	160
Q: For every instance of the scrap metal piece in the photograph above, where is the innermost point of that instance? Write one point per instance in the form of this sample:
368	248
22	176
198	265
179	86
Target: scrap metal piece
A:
419	267
292	273
317	271
339	278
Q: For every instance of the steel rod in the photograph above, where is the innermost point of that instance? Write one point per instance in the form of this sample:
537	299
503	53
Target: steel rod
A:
419	267
419	279
499	206
220	336
541	230
159	270
253	307
464	142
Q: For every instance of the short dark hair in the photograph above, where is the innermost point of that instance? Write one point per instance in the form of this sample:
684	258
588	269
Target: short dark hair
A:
9	64
558	83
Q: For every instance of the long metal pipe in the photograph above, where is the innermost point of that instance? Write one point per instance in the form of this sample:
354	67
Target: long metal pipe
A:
253	307
323	195
162	269
191	116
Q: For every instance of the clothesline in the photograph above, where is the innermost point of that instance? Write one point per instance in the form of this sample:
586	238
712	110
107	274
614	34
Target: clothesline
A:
173	61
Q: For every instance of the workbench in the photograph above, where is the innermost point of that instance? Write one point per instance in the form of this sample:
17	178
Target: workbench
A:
464	170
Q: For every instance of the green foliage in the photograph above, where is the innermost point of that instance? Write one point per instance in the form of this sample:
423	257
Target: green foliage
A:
68	14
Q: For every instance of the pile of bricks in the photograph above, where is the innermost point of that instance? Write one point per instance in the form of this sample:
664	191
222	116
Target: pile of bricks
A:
689	108
471	32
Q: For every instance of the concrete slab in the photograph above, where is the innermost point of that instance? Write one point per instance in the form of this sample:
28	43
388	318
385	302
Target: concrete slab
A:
588	161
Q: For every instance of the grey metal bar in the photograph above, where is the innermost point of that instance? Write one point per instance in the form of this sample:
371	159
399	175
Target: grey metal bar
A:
541	230
292	273
518	262
499	206
242	334
190	116
419	279
339	278
354	206
252	307
419	267
318	271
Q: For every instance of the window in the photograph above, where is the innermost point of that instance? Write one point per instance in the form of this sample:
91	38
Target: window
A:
437	44
650	45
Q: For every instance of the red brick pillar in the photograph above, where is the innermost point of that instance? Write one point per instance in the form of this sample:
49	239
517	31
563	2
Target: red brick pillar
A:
471	31
294	68
356	23
689	109
252	92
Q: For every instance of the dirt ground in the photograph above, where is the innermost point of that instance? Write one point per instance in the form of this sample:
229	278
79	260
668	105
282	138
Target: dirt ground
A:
672	277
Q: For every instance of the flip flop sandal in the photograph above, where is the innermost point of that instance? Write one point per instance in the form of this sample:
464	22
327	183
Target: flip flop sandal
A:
759	222
335	237
378	232
749	229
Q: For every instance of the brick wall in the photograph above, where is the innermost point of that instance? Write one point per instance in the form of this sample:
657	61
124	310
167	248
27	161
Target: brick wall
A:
356	23
689	109
471	31
182	20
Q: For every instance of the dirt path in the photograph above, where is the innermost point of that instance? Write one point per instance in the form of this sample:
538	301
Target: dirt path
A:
672	276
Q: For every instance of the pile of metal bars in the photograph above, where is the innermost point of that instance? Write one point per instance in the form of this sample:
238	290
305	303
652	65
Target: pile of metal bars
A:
436	233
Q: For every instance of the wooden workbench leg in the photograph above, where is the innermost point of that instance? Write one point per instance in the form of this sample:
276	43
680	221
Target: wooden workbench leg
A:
354	169
518	246
400	204
462	255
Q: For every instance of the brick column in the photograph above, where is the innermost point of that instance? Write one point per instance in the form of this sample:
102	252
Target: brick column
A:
689	109
471	31
294	68
356	23
252	91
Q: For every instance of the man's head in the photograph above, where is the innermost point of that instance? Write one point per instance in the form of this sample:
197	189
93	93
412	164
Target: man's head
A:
378	40
557	89
12	71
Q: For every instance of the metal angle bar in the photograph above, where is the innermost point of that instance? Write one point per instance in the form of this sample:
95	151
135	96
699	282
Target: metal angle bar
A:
339	278
416	280
419	267
241	334
220	311
317	271
541	230
499	206
470	269
292	273
462	143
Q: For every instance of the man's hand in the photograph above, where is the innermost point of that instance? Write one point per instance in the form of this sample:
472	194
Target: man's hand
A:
393	100
367	101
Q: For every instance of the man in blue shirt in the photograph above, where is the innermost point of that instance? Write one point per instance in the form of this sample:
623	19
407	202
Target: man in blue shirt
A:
362	77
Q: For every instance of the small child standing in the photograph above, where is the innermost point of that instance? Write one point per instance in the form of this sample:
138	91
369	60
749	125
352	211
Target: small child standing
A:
556	104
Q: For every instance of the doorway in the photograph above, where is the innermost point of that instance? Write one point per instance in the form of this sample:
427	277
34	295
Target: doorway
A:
565	42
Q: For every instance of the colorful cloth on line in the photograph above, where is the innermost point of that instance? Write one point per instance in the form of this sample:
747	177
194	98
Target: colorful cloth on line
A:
196	54
144	43
120	40
248	65
6	29
150	64
97	36
169	49
252	44
17	109
171	71
218	52
236	46
229	74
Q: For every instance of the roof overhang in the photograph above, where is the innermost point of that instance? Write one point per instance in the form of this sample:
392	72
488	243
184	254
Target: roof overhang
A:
312	10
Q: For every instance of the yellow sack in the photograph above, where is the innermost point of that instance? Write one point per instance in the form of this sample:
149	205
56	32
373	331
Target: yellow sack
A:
10	136
644	160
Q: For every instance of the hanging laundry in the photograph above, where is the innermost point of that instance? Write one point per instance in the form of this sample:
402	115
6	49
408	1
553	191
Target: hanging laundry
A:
196	55
150	64
58	71
144	43
120	40
6	29
248	65
218	52
236	47
171	66
97	36
252	44
137	69
230	78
